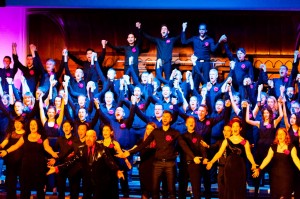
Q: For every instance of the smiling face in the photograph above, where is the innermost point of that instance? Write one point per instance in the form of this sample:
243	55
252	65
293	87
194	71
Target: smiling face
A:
51	113
27	100
240	55
81	100
137	92
213	75
236	129
81	131
166	119
295	108
29	61
131	39
6	62
149	129
107	132
90	138
202	30
119	113
82	114
266	115
202	112
283	71
193	102
190	124
5	100
281	136
236	99
111	74
144	77
18	107
158	110
108	98
164	31
33	126
67	128
50	64
79	74
219	106
89	55
57	101
227	131
293	119
271	103
166	92
18	125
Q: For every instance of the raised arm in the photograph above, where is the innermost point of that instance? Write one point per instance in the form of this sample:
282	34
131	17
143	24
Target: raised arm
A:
228	52
235	108
42	112
61	113
285	117
278	119
253	123
258	100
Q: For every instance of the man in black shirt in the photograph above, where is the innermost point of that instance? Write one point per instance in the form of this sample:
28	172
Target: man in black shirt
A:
164	47
166	139
203	46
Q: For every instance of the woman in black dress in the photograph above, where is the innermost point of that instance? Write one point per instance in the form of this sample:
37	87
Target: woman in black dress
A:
13	161
34	161
114	148
292	125
267	128
237	149
283	155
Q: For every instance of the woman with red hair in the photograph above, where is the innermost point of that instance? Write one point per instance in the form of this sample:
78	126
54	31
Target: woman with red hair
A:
237	150
283	155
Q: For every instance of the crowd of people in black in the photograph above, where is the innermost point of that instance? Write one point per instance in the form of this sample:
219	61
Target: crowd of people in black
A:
88	133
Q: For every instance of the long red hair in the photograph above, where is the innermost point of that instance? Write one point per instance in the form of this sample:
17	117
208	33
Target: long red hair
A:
287	140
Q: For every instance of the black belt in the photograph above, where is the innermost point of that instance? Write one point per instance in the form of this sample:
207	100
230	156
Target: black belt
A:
165	160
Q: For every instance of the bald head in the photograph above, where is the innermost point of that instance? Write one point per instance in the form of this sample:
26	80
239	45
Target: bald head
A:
91	137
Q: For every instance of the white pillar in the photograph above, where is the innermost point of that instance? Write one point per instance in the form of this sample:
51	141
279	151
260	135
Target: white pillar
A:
13	28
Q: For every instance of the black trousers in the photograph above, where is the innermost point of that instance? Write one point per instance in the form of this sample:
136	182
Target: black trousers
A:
168	168
192	171
74	184
200	73
12	173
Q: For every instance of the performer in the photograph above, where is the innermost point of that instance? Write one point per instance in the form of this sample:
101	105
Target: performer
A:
284	156
165	155
237	148
203	46
97	166
34	165
164	46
